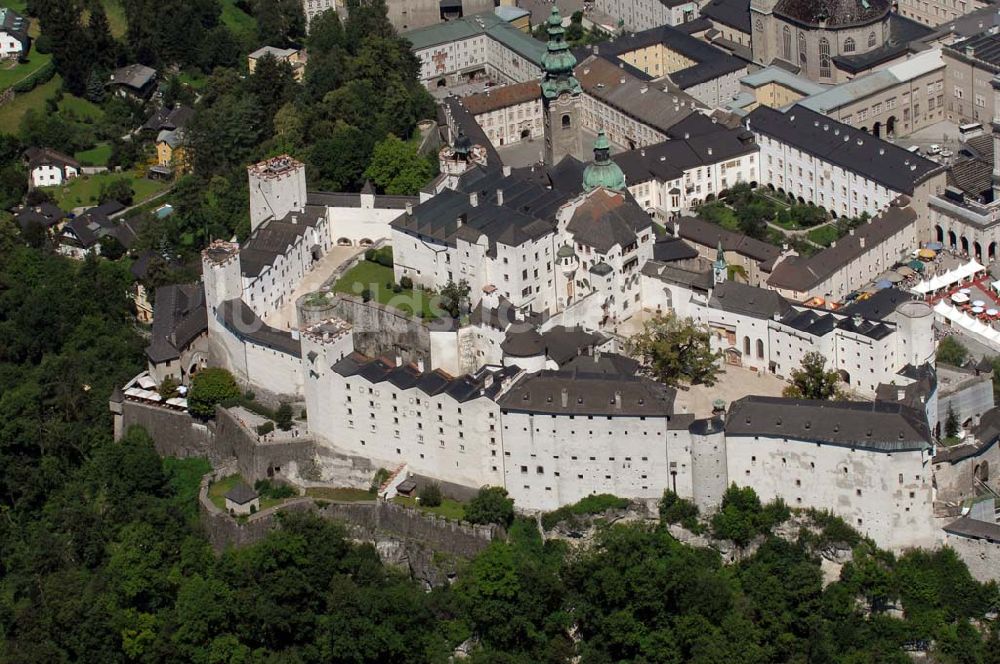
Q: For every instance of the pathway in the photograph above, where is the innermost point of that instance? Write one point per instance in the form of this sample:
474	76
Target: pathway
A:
286	317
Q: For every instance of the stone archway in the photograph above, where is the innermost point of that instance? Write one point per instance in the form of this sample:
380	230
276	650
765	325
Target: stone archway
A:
965	245
977	250
877	129
952	240
991	251
939	233
890	126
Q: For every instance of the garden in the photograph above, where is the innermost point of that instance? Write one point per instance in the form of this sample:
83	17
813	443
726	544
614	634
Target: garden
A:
373	279
271	493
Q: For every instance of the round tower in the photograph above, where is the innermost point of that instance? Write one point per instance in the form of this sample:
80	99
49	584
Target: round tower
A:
915	321
709	469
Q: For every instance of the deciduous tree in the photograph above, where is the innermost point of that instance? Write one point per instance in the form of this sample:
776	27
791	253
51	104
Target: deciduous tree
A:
675	351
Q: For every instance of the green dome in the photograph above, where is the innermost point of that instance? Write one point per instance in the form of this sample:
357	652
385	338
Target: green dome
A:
603	172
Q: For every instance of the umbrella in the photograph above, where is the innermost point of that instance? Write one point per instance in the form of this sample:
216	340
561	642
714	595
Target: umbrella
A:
905	271
992	312
883	283
978	303
977	310
959	298
965	290
916	265
927	254
934	246
894	277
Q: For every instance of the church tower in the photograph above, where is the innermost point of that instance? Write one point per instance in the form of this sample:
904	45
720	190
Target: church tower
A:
603	172
560	95
762	39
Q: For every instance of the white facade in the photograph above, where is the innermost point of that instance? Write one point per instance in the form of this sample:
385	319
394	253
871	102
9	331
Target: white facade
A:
513	124
645	14
669	198
52	175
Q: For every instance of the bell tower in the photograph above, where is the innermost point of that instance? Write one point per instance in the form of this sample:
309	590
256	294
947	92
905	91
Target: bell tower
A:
560	94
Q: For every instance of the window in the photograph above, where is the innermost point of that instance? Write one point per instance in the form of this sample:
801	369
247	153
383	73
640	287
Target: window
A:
849	45
871	40
824	58
566	121
786	37
802	50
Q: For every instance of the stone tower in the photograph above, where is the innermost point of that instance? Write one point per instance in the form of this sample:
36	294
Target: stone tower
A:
561	95
709	467
995	125
277	187
762	38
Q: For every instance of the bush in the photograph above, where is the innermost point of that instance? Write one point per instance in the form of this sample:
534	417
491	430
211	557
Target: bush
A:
370	255
381	475
366	295
491	505
742	517
601	502
406	282
674	509
396	288
168	388
430	495
265	428
249	395
209	388
43	44
283	417
274	490
381	256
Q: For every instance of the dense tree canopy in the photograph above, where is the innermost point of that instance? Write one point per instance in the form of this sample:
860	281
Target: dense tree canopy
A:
674	350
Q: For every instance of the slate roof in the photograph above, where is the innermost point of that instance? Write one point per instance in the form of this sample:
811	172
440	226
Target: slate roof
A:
902	31
589	393
694	273
527	213
802	274
241	494
709	61
16	26
45	214
48	157
819	322
244	323
274	237
879	306
486	23
461	388
891	166
623	91
179	317
606	219
669	159
707	234
170	119
135	76
668	248
982	49
834	13
748	300
974	529
732	13
875	426
350	200
87	229
602	363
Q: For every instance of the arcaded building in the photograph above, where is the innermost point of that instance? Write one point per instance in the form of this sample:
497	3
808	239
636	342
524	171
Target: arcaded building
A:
809	34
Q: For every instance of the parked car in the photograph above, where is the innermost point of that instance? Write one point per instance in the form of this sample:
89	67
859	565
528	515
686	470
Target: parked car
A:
934	149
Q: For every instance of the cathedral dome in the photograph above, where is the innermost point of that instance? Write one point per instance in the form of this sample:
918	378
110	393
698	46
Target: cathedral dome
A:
832	13
603	172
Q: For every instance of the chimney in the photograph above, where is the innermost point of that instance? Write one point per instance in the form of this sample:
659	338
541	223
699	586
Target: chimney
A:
409	209
474	199
709	152
618	400
326	335
399	360
295	218
565	397
506	171
851	232
861	240
499	196
460	221
857	320
677	229
488	381
597	49
644	89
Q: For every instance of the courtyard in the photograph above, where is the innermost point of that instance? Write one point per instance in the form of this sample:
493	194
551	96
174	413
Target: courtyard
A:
732	383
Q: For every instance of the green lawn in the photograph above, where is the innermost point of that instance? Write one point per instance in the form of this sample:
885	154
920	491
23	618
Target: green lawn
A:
11	113
373	276
195	80
719	213
96	156
824	235
450	509
11	71
237	20
80	108
84	190
217	493
343	495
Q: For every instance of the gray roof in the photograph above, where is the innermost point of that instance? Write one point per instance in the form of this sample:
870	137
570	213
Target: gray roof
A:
350	200
707	234
241	494
974	529
668	248
694	273
891	166
749	300
167	118
982	49
709	62
49	157
902	31
607	218
461	388
878	426
589	393
468	27
179	317
630	94
244	324
45	214
732	13
832	13
669	159
802	274
819	322
16	26
136	76
274	237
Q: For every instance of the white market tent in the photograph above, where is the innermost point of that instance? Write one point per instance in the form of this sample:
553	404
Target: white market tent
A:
949	278
969	324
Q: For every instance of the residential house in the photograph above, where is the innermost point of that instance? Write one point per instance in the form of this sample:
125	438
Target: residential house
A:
14	40
295	58
135	81
49	168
